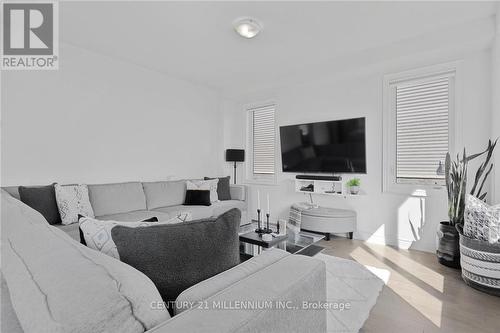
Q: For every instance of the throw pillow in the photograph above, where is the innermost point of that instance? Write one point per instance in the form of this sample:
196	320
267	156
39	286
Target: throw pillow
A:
203	185
71	201
82	237
96	234
481	221
223	192
197	198
176	257
151	219
41	199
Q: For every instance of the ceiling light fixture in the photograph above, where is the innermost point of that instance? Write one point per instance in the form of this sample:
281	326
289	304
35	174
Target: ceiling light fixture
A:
247	27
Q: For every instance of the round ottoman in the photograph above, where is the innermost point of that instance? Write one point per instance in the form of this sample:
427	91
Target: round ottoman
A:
328	221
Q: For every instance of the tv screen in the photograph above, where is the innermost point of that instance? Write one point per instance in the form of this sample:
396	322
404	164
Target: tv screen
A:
326	147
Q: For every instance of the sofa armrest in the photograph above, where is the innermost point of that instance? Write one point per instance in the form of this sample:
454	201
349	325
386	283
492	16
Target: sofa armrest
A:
270	300
219	282
238	192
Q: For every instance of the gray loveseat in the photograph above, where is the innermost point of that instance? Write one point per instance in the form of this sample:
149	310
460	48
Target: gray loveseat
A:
55	284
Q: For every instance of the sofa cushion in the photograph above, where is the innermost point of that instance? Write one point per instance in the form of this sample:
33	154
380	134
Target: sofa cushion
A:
138	215
177	256
13	191
117	198
292	280
238	192
209	287
9	323
71	230
43	200
59	285
223	206
164	193
197	212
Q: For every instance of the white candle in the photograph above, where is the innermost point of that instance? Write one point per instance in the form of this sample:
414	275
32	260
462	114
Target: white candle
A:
258	199
268	209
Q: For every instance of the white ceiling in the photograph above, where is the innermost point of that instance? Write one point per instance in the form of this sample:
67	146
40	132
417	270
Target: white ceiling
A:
195	41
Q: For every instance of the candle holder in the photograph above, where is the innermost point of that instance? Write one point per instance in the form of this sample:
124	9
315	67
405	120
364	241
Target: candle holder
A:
267	230
259	229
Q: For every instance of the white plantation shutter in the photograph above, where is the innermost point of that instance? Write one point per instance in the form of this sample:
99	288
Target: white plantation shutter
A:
422	128
263	129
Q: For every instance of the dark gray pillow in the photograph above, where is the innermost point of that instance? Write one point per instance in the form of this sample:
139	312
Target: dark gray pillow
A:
178	256
43	200
222	188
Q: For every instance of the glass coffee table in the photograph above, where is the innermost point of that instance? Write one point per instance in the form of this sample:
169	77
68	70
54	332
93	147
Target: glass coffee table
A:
251	243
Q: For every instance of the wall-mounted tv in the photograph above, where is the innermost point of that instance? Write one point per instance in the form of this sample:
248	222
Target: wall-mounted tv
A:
336	146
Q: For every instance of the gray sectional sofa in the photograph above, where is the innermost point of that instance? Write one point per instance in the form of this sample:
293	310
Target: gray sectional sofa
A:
135	201
55	284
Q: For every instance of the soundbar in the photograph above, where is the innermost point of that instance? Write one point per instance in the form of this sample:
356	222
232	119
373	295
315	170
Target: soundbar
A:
330	178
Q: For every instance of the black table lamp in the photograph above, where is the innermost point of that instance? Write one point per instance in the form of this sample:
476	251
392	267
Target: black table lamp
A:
235	155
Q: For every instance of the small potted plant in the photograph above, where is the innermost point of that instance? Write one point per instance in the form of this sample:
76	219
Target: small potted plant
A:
354	185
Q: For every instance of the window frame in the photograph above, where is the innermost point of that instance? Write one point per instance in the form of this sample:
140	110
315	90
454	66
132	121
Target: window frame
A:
390	183
251	177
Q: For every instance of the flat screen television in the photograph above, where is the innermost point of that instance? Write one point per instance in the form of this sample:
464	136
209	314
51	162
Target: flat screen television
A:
336	146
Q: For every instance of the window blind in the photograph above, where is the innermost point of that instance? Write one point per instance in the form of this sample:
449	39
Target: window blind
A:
263	139
422	126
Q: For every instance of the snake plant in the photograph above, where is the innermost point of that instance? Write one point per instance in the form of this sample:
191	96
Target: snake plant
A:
456	181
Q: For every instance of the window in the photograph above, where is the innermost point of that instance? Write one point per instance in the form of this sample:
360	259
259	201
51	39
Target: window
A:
419	127
262	142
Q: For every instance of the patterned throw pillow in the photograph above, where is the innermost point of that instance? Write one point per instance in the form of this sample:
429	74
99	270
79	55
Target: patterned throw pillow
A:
71	201
204	185
481	221
97	233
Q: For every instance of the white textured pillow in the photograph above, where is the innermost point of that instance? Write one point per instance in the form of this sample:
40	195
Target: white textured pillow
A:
71	201
204	185
97	233
481	221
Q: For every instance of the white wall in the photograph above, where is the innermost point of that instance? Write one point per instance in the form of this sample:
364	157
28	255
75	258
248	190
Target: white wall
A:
234	137
98	119
382	217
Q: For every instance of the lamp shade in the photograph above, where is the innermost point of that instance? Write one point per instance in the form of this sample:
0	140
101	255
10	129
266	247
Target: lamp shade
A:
235	155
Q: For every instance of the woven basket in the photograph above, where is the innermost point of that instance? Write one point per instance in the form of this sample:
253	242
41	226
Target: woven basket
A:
480	263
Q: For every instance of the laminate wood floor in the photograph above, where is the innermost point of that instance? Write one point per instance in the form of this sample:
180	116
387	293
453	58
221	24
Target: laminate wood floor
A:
421	295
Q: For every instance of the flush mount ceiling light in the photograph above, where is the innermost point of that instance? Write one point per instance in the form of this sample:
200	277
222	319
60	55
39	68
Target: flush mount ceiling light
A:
247	27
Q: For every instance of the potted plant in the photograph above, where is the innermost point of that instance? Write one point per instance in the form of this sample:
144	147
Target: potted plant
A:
456	185
354	185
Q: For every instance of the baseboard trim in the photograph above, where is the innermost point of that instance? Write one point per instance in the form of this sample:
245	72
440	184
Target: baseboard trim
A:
379	239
